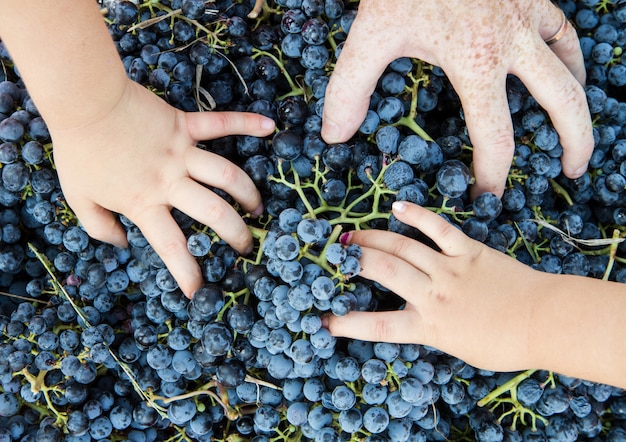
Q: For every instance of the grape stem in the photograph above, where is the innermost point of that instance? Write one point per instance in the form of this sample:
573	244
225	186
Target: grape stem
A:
518	411
408	121
560	190
38	385
612	253
295	89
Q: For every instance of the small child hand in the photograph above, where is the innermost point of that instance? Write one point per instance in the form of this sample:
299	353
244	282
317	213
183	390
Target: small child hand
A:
457	300
140	159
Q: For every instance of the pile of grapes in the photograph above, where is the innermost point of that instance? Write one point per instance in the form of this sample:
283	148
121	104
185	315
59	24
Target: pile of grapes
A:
99	343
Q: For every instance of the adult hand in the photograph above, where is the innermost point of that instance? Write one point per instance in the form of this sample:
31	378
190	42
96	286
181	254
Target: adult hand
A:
476	43
140	159
459	300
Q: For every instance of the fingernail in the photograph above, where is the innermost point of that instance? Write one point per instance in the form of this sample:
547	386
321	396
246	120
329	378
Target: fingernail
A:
331	130
257	212
267	124
344	239
399	206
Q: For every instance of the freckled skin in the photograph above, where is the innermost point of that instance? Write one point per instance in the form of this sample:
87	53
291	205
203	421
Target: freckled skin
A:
477	43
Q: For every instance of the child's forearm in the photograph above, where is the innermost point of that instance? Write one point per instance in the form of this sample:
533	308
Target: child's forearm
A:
579	328
42	38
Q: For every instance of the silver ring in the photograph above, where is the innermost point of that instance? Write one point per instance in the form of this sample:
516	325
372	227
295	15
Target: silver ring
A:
560	32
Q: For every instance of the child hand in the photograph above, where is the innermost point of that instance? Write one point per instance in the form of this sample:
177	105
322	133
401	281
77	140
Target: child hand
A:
140	159
458	300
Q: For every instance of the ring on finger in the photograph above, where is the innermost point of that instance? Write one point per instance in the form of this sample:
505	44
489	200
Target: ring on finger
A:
560	32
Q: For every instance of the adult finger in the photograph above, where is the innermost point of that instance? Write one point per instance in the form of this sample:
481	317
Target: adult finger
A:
101	224
563	97
168	241
399	326
217	171
205	206
567	48
353	80
210	125
488	121
448	238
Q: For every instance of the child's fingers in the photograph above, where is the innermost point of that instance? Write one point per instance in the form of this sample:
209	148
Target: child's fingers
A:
211	125
420	256
217	171
162	232
451	241
395	274
399	327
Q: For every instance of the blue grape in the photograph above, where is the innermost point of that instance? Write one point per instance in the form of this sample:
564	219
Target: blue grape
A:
387	139
319	417
310	231
375	420
333	191
286	247
9	405
343	398
370	123
314	31
314	57
337	157
11	130
453	179
390	110
546	138
335	253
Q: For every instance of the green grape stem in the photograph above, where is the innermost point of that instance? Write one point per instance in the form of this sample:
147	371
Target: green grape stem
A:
212	35
560	190
519	412
38	385
506	387
612	254
59	289
408	121
295	89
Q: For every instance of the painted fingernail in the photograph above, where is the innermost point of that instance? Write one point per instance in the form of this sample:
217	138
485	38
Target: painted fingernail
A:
398	206
332	132
345	238
267	123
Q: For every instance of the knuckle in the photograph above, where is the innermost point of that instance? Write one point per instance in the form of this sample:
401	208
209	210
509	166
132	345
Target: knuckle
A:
437	296
502	142
446	230
401	246
171	248
218	211
231	176
383	329
572	92
388	267
220	121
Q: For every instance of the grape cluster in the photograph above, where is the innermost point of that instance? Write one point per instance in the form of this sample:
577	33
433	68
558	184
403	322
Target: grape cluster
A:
99	343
